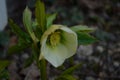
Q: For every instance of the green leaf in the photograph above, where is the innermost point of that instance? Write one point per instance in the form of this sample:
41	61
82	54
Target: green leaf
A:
40	15
50	19
67	74
3	72
66	77
28	61
85	38
18	48
4	75
27	20
82	28
3	64
20	33
24	38
71	69
38	33
37	30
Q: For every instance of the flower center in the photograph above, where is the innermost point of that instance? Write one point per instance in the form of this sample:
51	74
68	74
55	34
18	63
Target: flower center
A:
55	38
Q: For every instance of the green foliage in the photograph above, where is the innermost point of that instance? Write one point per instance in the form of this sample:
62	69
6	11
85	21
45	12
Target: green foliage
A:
82	28
27	20
85	38
18	48
4	75
27	15
19	32
50	19
66	77
71	69
67	74
24	39
40	15
37	32
3	64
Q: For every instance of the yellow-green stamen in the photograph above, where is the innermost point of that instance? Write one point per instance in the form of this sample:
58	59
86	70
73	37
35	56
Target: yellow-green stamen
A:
55	38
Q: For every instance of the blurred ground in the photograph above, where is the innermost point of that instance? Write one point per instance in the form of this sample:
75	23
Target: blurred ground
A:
101	61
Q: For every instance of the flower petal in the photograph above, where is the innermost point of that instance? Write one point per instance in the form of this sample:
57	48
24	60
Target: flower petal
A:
70	42
56	56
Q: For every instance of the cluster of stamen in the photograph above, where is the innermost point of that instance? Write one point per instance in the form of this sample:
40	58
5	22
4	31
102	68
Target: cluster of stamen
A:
54	38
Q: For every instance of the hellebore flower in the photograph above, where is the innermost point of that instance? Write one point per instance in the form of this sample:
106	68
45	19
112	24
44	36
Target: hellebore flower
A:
57	44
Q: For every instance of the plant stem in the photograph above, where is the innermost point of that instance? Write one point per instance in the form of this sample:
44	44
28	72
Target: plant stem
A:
43	69
41	64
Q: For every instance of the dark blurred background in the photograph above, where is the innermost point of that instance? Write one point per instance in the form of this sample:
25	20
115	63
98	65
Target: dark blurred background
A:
101	59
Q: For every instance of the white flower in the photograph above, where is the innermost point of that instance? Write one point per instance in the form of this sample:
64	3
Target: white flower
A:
57	44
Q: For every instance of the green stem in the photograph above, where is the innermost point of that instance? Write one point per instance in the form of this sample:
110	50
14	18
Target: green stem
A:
43	69
41	64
